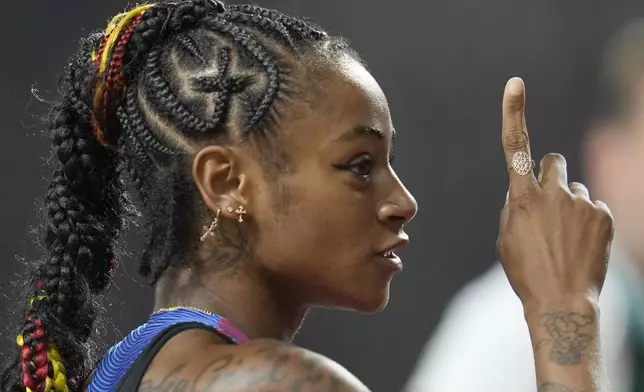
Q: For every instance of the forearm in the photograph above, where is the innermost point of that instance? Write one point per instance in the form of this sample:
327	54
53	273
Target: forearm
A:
567	352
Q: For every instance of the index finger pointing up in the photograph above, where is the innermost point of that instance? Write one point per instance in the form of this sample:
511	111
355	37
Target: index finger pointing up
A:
516	143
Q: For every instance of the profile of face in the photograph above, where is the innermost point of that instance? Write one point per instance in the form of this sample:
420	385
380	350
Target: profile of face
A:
321	229
614	162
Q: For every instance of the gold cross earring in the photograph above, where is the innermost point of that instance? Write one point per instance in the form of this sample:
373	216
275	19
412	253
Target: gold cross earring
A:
210	230
241	211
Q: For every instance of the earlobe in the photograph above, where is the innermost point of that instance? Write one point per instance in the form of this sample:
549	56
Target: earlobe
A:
218	174
239	212
235	201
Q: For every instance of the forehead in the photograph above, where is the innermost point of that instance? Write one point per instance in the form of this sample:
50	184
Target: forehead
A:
342	97
357	97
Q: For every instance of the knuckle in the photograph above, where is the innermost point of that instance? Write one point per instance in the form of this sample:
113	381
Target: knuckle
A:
561	195
552	159
522	199
579	190
585	206
604	216
578	185
515	139
557	193
515	104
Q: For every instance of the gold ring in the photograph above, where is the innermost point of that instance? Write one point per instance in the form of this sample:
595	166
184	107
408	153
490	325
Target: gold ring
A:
521	163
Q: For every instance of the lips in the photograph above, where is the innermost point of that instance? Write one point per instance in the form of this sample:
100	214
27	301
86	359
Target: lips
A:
392	262
387	256
388	251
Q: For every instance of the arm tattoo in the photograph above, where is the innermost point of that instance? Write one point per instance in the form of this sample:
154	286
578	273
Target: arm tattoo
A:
313	376
568	336
173	382
554	387
230	372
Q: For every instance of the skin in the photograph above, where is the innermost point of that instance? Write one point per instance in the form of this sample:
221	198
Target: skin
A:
554	244
342	210
343	220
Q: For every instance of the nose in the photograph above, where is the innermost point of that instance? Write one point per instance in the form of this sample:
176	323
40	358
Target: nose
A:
400	207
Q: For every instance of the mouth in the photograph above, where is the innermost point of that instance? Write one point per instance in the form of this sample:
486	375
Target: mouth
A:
390	260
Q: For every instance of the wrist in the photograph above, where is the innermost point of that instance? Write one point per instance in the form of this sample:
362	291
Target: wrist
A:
564	332
587	305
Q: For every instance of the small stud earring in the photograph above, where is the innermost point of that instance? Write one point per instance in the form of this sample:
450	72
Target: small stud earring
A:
229	209
210	230
241	211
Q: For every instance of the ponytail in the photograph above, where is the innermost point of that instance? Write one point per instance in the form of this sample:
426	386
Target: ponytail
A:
83	217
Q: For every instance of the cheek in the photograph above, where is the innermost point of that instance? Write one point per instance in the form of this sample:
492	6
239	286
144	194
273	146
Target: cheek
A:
324	224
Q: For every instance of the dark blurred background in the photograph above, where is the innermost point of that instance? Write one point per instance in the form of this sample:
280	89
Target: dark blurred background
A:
443	65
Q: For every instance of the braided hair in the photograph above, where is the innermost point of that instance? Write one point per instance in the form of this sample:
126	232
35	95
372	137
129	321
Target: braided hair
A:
137	100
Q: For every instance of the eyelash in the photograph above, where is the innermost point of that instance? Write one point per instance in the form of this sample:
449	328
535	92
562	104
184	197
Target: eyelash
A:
360	162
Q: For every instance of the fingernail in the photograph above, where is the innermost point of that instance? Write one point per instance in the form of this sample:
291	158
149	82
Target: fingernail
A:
514	86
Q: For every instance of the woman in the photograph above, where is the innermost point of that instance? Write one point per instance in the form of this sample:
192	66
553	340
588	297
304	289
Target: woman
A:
260	151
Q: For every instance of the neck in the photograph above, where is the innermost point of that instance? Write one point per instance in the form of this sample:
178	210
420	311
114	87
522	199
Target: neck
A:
245	300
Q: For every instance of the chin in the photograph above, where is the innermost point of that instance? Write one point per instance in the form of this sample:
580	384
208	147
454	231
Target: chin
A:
374	308
367	297
370	302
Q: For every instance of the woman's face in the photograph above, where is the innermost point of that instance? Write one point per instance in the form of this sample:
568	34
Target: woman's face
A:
322	228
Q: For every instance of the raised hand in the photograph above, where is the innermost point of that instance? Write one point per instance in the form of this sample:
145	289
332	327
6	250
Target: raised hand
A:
554	244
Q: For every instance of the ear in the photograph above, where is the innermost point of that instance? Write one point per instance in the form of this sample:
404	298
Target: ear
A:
219	176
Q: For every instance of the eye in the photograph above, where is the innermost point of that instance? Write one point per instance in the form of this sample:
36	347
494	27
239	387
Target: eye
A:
361	166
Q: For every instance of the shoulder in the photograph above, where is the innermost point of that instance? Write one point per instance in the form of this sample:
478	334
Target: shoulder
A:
259	365
301	369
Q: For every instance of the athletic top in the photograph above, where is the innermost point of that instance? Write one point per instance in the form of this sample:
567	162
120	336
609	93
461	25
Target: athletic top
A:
123	366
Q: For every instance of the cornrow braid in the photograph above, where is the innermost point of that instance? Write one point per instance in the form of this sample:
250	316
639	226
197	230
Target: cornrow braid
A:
260	16
170	107
134	122
162	80
138	142
115	75
167	103
265	23
261	56
190	46
109	73
144	25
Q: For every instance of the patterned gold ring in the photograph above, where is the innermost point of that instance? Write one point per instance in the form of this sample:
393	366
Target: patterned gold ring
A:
521	163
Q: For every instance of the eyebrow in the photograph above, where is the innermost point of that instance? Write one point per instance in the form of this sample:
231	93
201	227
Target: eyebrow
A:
362	130
365	131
